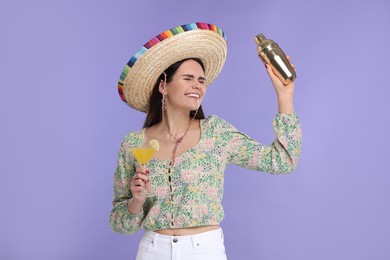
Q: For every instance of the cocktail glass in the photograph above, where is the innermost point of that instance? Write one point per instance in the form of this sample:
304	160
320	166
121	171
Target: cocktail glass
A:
143	154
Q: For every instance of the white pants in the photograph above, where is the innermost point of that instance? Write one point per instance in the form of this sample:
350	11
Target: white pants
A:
204	246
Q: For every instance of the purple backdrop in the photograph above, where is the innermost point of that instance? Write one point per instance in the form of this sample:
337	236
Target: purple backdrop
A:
62	122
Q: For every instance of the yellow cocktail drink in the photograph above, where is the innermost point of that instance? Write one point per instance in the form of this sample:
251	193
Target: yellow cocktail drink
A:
143	154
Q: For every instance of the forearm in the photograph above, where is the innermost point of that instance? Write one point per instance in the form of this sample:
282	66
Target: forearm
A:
285	104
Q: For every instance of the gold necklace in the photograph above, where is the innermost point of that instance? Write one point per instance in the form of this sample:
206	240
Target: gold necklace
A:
176	139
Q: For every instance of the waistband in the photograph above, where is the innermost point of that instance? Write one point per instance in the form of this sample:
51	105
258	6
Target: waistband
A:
194	239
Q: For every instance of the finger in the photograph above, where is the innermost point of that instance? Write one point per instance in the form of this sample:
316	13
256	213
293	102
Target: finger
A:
142	170
138	183
269	69
137	189
139	192
141	176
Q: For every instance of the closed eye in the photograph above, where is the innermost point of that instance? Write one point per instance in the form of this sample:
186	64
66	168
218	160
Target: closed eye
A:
188	77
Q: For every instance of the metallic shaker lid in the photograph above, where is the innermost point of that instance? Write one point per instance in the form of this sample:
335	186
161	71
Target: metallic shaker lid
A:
259	38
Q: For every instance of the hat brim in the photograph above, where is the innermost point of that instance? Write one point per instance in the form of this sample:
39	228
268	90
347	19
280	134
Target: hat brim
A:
207	45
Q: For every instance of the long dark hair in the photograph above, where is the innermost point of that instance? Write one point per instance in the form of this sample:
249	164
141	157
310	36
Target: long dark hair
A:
154	114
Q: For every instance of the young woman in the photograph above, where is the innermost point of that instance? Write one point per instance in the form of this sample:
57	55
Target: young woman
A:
167	79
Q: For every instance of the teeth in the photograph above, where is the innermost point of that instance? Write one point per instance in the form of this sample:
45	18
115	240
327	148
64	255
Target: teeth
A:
193	95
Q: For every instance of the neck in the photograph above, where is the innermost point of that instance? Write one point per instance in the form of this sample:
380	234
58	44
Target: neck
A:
177	122
181	118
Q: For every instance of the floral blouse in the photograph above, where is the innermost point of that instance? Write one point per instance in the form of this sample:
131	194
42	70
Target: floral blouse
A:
197	178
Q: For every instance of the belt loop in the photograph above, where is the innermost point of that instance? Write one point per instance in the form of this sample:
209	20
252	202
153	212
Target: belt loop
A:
195	243
154	239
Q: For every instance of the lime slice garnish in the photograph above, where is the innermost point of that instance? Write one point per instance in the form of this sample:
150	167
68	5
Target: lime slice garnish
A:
154	144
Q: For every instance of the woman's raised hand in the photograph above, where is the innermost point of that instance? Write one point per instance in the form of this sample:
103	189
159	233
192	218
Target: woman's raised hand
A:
285	93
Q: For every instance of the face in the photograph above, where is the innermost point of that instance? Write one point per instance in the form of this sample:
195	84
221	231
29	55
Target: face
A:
187	88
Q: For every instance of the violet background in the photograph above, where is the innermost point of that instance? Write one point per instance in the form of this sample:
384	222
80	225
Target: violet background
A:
62	122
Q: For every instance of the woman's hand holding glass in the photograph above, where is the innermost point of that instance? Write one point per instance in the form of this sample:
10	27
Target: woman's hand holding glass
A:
140	184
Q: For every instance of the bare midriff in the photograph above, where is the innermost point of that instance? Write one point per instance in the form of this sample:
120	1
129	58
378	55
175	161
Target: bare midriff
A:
186	231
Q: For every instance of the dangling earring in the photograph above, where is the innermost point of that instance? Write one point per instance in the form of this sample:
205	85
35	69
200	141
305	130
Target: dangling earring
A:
163	103
164	97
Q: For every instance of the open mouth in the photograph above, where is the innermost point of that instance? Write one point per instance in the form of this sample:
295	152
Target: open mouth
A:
193	95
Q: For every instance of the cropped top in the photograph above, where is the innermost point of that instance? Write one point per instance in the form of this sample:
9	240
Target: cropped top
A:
197	177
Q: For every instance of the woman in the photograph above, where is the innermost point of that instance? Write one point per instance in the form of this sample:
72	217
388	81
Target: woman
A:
167	79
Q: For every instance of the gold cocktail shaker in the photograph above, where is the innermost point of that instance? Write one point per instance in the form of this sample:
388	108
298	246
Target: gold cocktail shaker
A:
271	54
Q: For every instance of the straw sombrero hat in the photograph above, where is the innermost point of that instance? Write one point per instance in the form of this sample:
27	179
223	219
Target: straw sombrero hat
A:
196	40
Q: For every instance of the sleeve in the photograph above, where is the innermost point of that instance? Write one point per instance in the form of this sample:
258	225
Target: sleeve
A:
121	220
280	157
